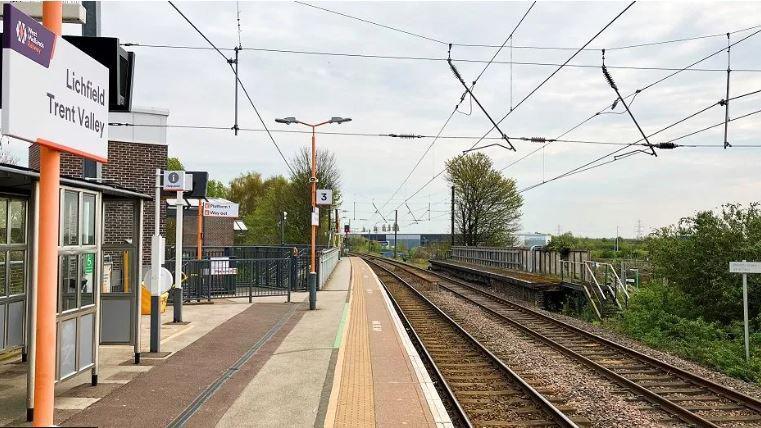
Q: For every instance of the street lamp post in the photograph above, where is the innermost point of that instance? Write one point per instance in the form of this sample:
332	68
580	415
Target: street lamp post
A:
313	180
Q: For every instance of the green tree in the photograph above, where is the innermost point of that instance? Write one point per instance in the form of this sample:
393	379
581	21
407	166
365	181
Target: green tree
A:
694	257
264	222
174	164
299	198
487	205
216	189
246	190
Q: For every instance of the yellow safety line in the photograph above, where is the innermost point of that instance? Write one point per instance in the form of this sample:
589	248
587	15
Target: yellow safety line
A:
356	406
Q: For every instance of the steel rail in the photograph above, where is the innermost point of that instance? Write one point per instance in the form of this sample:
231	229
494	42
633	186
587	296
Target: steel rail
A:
679	411
541	402
439	376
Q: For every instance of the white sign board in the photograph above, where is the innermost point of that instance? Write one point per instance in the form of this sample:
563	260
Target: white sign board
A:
220	209
324	196
177	181
745	267
53	93
316	217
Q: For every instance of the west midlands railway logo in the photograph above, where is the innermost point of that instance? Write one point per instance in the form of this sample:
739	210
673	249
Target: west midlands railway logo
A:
21	32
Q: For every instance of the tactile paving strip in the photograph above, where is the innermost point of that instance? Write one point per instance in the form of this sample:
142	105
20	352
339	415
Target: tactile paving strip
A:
355	406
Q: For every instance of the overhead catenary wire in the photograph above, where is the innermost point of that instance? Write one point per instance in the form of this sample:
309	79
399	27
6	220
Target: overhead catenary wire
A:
467	91
382	135
638	92
437	59
594	163
555	72
479	45
615	18
237	78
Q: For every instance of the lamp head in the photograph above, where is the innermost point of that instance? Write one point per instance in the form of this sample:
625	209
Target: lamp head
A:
339	120
288	120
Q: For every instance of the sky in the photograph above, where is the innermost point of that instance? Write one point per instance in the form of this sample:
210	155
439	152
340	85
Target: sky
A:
408	96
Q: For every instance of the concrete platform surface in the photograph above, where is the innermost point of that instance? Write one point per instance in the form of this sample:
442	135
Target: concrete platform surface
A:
266	364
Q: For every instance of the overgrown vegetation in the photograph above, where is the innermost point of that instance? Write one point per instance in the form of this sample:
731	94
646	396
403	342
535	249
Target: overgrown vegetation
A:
600	248
694	308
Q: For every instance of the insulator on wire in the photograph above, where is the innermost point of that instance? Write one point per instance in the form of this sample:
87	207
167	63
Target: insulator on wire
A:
666	146
609	78
538	140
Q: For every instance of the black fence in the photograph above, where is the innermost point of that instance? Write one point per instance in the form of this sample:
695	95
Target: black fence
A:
209	279
240	271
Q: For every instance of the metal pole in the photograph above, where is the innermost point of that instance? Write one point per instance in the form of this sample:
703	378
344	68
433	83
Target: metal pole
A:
156	266
396	241
726	100
47	268
745	316
199	231
136	289
282	228
312	267
235	126
177	304
453	216
32	315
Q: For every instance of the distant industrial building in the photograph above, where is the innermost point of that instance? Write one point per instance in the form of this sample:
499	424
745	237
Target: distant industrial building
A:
408	240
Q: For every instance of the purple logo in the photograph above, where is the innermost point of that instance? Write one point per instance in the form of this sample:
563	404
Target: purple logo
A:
32	39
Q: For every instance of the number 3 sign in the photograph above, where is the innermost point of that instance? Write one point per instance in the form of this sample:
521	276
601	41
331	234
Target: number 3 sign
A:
324	196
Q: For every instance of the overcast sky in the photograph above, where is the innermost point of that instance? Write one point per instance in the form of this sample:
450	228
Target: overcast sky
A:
416	96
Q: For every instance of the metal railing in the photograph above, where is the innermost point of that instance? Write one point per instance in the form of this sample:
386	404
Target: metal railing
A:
524	259
230	277
328	261
601	278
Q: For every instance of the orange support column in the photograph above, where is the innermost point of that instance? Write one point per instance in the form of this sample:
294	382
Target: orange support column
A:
47	273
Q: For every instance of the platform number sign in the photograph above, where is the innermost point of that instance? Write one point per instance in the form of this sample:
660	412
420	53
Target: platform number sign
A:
324	197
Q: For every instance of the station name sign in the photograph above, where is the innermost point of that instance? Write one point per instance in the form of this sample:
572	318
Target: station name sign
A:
53	93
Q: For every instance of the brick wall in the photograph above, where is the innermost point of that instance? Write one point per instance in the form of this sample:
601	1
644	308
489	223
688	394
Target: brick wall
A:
133	166
71	166
218	231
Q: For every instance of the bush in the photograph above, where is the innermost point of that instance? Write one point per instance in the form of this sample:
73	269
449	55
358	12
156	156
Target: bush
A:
657	315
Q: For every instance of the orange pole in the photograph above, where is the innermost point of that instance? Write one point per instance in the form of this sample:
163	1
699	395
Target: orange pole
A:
47	268
199	235
314	198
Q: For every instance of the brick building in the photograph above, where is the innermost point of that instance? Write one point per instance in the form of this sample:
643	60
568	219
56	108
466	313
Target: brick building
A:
134	153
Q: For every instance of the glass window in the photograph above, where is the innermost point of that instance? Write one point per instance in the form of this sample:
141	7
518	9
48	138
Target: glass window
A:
3	221
69	281
88	219
87	282
70	218
2	273
17	222
17	272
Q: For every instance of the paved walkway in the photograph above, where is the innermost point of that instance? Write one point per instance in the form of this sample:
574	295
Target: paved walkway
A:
289	388
269	364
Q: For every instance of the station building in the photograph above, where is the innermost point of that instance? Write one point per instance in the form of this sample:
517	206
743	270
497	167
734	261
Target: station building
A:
105	224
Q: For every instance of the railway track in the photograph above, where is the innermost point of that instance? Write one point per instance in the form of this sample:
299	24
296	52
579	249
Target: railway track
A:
684	395
485	391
